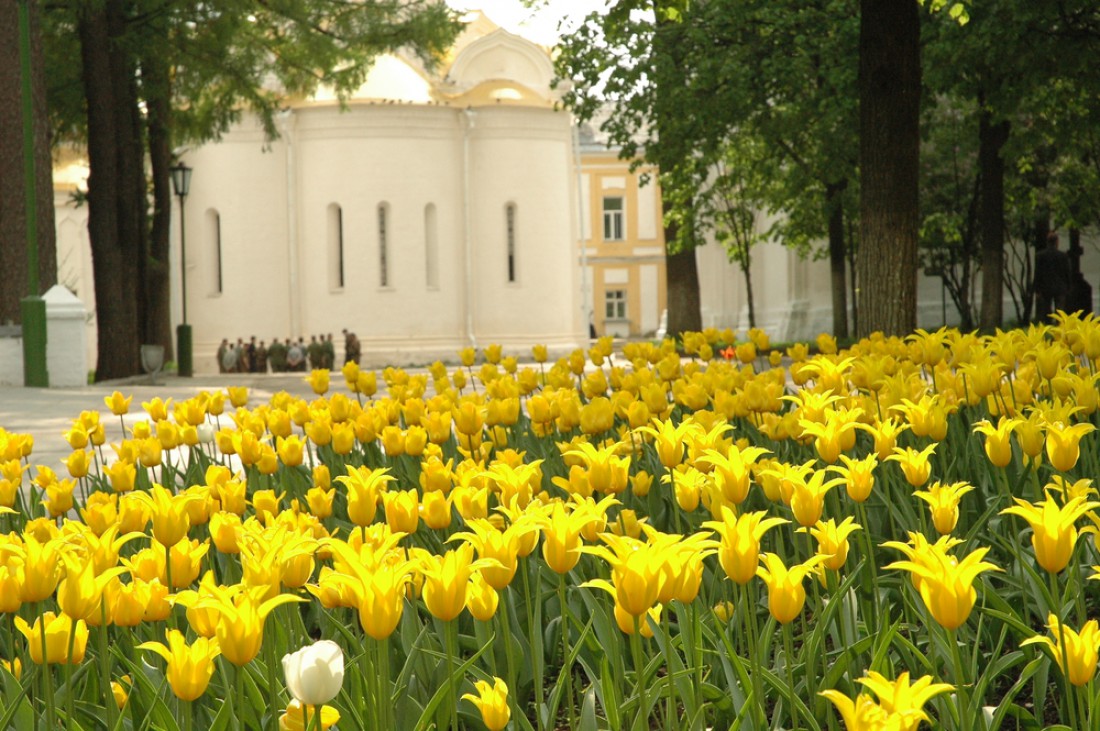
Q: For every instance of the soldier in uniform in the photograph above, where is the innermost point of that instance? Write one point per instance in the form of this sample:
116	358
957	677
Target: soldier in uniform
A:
259	359
315	353
328	352
351	348
242	357
221	355
276	356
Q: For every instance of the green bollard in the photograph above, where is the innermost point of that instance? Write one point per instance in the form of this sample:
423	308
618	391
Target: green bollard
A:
34	342
183	351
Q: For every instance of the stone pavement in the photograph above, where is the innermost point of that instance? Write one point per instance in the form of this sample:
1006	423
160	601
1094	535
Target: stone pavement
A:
47	413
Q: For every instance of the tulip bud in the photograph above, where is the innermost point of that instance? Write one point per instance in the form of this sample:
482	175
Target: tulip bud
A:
315	673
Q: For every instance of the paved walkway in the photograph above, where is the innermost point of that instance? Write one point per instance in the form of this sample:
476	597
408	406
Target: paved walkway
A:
47	413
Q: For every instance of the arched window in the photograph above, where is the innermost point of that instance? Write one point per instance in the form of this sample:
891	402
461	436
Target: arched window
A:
383	244
335	246
214	246
431	248
510	234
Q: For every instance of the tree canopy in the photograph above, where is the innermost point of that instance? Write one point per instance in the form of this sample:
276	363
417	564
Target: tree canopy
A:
134	80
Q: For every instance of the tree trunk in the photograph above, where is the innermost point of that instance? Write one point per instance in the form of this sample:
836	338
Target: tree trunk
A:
13	199
746	271
991	139
114	257
835	209
682	285
889	153
158	295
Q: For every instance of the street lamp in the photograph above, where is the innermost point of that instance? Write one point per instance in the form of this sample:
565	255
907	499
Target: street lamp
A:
181	185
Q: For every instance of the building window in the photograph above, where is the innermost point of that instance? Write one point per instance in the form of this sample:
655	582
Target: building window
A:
214	236
615	304
335	247
383	243
510	232
431	248
613	219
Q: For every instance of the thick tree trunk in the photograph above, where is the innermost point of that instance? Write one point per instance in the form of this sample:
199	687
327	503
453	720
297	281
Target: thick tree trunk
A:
114	256
889	153
991	139
835	209
158	296
13	199
682	285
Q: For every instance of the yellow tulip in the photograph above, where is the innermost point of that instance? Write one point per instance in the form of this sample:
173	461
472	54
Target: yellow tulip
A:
626	621
561	537
59	630
858	475
170	518
636	572
947	584
190	667
1053	531
446	579
319	501
808	496
885	434
240	631
786	594
59	497
501	546
402	510
377	590
117	403
40	571
80	594
481	598
914	465
731	471
364	486
291	450
899	696
1064	444
78	463
943	502
998	445
669	439
295	717
832	540
1078	649
492	701
900	706
739	551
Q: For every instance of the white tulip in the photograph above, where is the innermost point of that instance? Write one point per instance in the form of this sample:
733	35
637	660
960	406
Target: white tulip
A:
315	673
206	433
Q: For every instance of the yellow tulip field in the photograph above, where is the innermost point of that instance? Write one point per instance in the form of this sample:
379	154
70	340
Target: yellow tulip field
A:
715	534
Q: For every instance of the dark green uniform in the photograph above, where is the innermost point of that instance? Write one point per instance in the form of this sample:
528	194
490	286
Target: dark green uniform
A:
276	356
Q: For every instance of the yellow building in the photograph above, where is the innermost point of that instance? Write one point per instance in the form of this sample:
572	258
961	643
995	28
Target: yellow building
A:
623	242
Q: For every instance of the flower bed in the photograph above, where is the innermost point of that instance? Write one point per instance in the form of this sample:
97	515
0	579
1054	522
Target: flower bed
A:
874	537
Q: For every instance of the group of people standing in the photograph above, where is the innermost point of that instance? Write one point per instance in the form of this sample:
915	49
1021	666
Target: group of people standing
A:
291	356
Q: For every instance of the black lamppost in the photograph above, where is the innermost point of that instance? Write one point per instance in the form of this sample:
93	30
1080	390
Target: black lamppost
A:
181	185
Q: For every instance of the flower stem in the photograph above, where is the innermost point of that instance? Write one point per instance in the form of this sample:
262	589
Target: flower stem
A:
960	681
506	631
450	630
69	675
788	663
565	666
641	721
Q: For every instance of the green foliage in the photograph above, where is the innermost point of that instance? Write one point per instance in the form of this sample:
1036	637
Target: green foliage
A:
237	55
